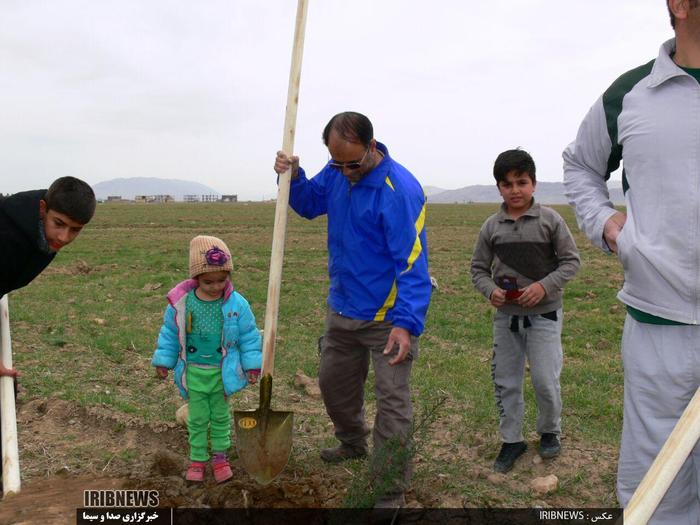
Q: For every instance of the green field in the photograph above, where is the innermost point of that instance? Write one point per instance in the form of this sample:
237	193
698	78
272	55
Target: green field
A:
84	331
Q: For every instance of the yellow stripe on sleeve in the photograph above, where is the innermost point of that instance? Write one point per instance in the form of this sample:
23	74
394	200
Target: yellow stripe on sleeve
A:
415	253
417	246
390	300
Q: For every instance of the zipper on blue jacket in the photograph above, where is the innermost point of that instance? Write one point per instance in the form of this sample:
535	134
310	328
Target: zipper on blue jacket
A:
348	210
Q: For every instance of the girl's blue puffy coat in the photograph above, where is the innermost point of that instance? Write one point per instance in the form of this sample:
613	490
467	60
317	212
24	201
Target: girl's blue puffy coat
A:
240	340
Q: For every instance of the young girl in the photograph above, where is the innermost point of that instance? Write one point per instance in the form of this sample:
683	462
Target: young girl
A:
209	337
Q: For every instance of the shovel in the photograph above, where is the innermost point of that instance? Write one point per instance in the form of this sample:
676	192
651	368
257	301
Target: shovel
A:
264	436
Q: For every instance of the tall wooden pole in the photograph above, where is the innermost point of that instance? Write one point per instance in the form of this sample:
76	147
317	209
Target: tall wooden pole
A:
10	450
280	229
666	465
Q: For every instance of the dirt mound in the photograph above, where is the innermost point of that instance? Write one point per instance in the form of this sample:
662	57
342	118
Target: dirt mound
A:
62	438
66	449
51	501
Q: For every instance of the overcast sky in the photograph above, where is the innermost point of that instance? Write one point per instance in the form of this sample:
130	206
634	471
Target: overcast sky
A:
197	90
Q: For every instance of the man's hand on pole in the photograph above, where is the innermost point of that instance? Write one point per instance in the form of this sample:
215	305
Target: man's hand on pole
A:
8	371
283	163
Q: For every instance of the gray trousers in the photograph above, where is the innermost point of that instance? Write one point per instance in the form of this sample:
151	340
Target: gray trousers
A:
540	343
346	349
662	372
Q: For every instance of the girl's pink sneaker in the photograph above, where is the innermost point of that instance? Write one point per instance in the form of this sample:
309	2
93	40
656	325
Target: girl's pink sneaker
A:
222	470
195	472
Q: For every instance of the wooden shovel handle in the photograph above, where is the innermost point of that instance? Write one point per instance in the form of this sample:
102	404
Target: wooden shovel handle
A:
666	465
280	230
10	449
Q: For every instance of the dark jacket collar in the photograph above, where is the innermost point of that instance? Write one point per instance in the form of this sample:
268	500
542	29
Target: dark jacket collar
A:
23	210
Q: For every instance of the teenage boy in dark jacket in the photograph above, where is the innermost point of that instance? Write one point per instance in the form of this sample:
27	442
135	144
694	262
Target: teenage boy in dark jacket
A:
34	226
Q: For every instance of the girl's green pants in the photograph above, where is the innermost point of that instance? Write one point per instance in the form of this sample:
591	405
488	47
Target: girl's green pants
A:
208	411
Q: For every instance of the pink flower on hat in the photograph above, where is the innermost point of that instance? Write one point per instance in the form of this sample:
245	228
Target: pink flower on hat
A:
216	256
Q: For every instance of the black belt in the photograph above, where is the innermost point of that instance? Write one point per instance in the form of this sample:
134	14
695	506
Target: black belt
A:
552	316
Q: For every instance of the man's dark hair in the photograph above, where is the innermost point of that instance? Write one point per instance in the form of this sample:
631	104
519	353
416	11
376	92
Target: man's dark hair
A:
516	160
353	127
73	198
671	16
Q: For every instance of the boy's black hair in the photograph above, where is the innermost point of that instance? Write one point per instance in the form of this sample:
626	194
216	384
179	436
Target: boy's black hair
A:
352	126
73	198
516	160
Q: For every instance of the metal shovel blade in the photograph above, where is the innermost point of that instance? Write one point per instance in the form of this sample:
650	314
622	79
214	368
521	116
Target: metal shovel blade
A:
263	437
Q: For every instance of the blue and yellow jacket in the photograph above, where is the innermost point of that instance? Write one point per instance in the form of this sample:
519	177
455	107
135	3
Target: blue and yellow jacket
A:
377	248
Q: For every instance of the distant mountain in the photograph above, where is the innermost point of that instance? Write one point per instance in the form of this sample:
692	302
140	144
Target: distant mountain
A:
545	193
432	190
129	188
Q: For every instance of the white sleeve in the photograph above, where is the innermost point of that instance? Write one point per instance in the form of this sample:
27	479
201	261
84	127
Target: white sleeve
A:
585	168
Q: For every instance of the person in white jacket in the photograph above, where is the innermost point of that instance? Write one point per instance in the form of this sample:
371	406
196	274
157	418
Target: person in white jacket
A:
649	119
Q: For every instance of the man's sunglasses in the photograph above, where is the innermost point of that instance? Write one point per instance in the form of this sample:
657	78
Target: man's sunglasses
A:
352	165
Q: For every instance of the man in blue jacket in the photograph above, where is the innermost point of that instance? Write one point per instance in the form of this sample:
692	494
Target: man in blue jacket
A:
379	292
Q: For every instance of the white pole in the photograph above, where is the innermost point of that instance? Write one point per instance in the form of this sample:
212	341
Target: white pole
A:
10	450
280	229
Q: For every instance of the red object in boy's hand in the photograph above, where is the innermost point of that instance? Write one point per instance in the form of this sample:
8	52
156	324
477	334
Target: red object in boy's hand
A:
510	285
512	295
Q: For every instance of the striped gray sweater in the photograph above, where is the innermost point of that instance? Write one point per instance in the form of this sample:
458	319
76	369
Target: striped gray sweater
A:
536	247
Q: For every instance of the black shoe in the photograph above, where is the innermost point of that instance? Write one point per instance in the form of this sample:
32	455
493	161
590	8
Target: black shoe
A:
342	452
508	454
549	445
